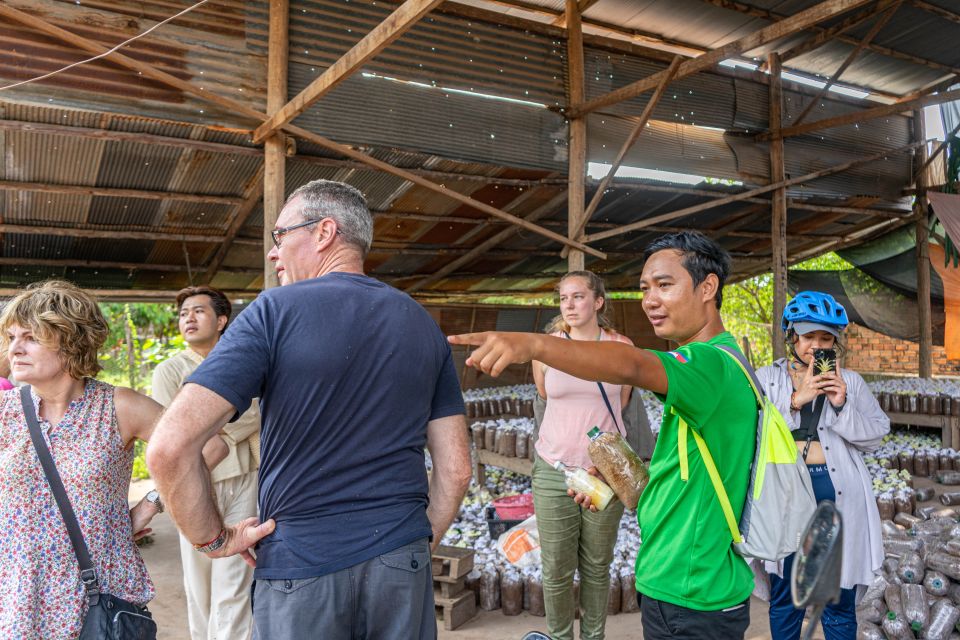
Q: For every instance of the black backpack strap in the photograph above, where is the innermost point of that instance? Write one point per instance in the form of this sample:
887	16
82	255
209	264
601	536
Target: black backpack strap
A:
87	572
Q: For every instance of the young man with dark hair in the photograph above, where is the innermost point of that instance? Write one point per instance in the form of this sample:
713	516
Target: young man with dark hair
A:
690	581
218	593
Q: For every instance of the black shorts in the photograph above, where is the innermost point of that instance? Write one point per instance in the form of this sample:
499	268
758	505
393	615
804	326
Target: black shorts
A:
664	621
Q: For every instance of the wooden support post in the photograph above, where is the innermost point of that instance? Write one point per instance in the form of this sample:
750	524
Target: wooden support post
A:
923	256
577	160
275	159
627	144
778	223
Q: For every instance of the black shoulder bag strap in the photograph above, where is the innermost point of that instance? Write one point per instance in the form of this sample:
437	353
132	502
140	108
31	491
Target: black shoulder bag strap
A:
87	573
606	400
809	420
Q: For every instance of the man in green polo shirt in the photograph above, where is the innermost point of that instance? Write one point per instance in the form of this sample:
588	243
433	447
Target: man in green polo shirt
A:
690	582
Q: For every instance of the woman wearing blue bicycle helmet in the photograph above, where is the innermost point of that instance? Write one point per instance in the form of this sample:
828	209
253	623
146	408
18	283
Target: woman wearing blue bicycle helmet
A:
835	420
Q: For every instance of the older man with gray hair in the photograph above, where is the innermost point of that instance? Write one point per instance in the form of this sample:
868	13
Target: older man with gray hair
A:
355	378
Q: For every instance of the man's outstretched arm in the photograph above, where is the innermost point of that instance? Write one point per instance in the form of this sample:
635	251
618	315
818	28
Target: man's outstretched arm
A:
175	460
613	362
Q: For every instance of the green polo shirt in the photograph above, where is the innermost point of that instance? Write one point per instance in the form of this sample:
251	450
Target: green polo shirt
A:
686	557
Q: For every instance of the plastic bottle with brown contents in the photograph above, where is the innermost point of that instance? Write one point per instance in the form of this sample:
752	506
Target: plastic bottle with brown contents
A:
533	587
511	593
620	465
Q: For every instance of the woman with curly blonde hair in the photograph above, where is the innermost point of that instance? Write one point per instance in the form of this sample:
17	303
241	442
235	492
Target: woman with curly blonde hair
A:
51	333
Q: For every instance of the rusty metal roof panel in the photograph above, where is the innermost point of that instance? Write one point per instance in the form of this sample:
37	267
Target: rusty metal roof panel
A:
53	209
441	49
26	246
704	99
50	159
129	213
378	112
137	166
217	173
170	252
204	51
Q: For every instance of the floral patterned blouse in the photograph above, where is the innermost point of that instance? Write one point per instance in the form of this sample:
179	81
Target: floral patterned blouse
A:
42	596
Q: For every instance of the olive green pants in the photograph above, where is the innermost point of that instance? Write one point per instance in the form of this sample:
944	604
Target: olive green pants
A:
572	538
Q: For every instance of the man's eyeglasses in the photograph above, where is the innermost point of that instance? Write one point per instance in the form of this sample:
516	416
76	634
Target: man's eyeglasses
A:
279	233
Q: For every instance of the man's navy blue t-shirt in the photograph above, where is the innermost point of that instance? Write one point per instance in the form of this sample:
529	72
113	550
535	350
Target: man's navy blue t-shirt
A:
348	371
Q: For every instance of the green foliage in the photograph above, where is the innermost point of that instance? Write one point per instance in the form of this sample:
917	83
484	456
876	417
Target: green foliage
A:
140	471
748	306
141	336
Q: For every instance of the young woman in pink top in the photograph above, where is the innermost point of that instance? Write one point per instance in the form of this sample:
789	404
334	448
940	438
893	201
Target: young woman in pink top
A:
572	538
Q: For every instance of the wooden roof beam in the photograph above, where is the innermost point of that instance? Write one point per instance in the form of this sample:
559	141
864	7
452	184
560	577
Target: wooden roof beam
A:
874	30
394	26
862	116
939	11
484	247
114	234
776	17
107	264
825	35
113	192
583	5
252	195
342	149
747	194
797	22
628	144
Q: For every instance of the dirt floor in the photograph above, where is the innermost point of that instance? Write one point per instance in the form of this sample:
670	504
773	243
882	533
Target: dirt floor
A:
169	608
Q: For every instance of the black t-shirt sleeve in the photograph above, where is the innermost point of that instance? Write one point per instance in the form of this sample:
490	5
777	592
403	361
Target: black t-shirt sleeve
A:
447	398
238	366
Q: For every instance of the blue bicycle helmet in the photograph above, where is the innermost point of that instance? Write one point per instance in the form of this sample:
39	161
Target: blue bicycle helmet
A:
813	307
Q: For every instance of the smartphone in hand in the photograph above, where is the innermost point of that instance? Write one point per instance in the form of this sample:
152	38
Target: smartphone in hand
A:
824	361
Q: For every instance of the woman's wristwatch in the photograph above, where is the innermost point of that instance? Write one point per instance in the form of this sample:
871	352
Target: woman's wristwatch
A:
214	544
153	497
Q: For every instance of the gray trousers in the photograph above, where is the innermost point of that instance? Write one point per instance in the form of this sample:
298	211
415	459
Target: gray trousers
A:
387	597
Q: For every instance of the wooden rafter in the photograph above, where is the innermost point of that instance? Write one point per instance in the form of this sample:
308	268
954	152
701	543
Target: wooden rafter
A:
831	33
113	192
939	11
776	17
611	34
394	26
344	150
628	143
484	247
747	194
109	264
862	116
116	234
252	194
851	57
797	22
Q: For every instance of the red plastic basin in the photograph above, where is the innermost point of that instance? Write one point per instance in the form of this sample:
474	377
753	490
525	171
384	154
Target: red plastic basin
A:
518	507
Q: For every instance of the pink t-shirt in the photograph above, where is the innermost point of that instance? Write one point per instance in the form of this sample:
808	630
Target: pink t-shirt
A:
575	406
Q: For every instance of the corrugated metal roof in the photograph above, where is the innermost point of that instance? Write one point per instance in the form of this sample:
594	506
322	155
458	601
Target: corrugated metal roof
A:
209	48
377	112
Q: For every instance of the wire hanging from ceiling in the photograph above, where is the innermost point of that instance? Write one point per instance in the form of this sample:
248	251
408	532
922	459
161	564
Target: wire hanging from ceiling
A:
105	53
